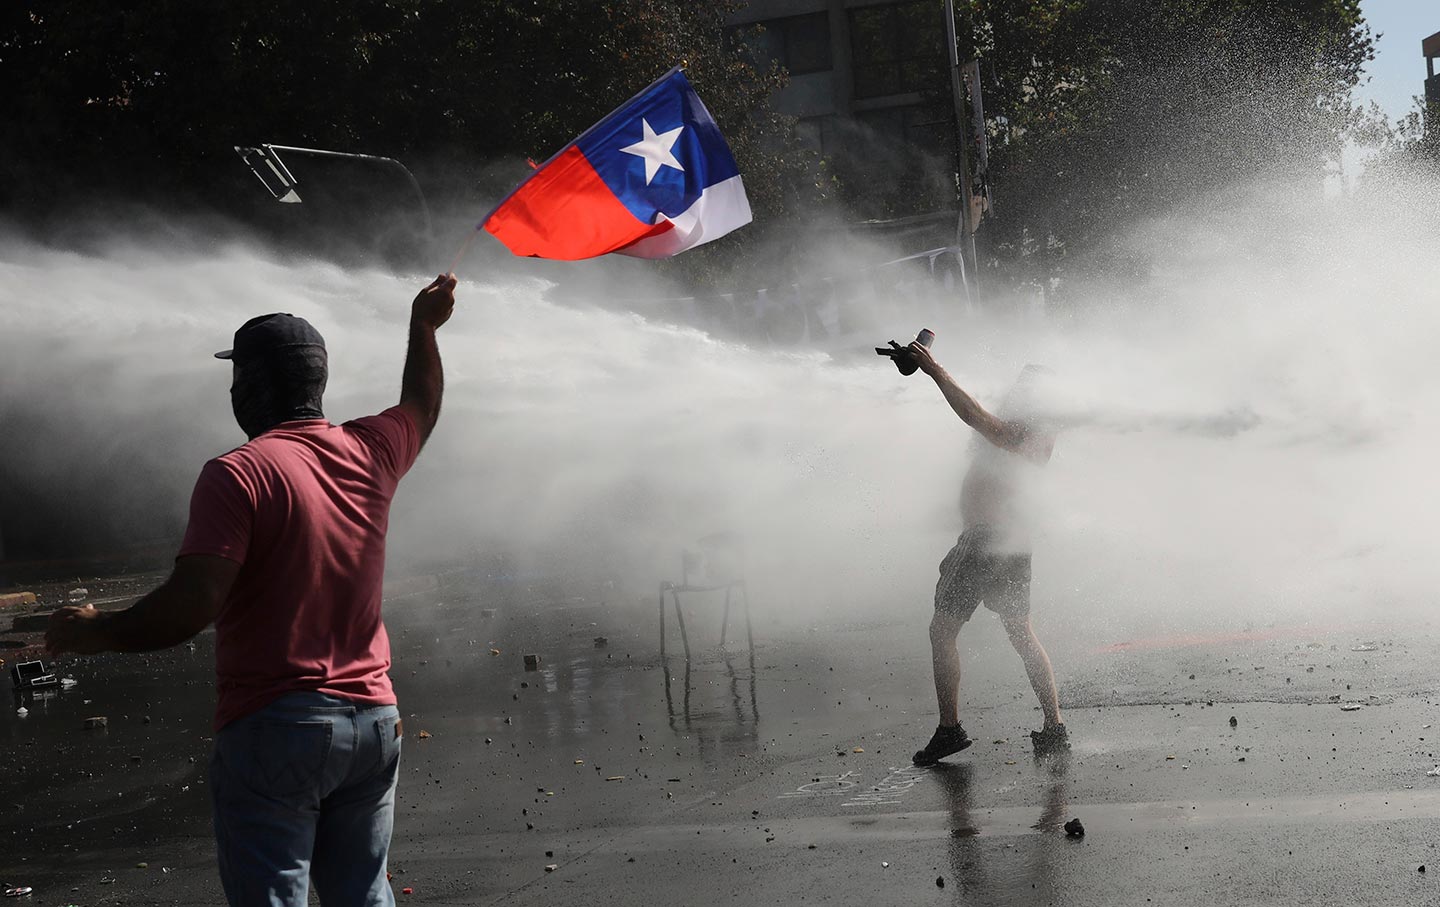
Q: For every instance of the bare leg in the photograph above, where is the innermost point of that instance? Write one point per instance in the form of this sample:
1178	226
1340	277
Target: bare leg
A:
1037	666
946	659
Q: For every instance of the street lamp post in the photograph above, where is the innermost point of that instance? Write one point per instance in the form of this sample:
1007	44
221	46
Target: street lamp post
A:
965	229
266	164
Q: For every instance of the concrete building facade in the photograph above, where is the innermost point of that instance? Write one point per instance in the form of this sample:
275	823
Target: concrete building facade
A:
869	86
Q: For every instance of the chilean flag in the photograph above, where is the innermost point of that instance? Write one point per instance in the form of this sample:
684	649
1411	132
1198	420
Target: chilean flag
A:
652	179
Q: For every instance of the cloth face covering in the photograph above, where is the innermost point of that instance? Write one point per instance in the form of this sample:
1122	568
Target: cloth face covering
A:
281	388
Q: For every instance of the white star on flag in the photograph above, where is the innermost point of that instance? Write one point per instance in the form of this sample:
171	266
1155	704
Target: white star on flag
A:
655	149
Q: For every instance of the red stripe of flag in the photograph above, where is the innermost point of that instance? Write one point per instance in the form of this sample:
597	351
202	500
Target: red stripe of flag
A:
567	191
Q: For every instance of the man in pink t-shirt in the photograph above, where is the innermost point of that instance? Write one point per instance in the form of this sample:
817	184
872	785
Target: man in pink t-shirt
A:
285	553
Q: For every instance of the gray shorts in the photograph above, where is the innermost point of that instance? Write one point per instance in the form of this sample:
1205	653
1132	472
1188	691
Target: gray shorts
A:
973	572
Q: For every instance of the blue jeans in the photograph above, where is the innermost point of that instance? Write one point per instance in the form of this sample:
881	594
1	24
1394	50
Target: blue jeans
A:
302	789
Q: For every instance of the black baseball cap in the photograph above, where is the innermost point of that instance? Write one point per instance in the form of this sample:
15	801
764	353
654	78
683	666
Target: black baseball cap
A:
268	335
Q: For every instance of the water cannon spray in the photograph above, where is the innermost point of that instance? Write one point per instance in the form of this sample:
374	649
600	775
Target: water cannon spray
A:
902	357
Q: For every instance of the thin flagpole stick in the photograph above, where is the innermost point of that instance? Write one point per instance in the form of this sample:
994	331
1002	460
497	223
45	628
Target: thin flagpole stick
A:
464	247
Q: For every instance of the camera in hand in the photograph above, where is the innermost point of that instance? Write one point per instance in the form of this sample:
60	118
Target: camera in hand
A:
902	357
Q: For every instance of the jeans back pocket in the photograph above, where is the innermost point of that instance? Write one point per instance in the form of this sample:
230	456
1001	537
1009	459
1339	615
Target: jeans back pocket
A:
284	758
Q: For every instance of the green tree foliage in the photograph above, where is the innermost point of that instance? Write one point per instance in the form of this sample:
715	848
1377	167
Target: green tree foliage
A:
1102	112
147	97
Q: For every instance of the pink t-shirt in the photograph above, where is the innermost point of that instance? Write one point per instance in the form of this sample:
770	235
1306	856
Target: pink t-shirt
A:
303	509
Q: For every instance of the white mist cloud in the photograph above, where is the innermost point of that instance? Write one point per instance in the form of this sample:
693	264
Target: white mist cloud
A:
596	440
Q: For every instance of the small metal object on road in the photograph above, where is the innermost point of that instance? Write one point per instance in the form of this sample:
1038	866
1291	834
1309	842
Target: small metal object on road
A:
551	867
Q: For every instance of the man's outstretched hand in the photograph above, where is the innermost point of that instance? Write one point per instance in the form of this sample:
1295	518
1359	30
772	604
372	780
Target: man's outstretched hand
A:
74	629
432	308
923	359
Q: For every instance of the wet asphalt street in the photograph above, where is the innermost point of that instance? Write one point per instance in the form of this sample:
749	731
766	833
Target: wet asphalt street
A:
785	777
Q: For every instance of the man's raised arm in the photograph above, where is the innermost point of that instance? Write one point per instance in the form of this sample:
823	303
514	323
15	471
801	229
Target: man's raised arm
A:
423	383
1006	435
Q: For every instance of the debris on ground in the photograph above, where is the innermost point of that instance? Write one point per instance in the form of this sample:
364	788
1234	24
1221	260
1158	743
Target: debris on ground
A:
487	613
21	891
884	865
426	735
407	890
33	675
1075	829
98	721
22	711
1233	722
532	662
79	594
1365	647
1434	772
1350	707
601	642
939	881
494	651
551	867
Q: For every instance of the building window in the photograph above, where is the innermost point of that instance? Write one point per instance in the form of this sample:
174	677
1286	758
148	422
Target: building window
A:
800	44
921	127
897	48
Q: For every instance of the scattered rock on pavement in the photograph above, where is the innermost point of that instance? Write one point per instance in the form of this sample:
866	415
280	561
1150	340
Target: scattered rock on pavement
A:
1075	829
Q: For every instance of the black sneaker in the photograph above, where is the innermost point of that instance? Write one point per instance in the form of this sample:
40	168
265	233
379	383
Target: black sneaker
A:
1054	739
947	741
